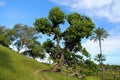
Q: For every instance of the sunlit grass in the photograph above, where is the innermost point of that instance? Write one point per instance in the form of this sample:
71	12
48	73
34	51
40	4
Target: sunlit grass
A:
14	66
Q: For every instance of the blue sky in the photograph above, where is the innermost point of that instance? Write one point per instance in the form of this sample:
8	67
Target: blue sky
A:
104	13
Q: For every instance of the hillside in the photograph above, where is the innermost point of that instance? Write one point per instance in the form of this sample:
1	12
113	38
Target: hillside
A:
14	66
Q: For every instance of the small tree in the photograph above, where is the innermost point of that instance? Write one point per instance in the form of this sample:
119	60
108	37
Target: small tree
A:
79	27
99	58
91	66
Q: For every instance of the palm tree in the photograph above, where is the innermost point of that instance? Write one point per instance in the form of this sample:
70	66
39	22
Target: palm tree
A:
99	35
99	58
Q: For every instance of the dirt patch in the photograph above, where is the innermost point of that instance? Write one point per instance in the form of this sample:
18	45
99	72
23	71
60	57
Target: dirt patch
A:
36	72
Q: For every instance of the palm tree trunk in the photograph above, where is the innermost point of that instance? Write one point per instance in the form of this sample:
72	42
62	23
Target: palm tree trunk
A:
100	45
101	63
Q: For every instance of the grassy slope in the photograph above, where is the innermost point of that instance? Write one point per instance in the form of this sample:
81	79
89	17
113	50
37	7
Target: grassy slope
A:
14	66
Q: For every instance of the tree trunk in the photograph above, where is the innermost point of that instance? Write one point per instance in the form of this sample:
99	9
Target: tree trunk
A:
20	47
101	63
58	67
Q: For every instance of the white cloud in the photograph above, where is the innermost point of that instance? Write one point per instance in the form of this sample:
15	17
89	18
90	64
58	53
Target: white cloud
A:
2	3
109	9
109	46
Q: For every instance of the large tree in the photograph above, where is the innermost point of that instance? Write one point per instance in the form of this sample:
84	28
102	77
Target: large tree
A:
99	35
25	39
65	45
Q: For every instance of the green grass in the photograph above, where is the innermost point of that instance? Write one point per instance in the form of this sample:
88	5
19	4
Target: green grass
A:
14	66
